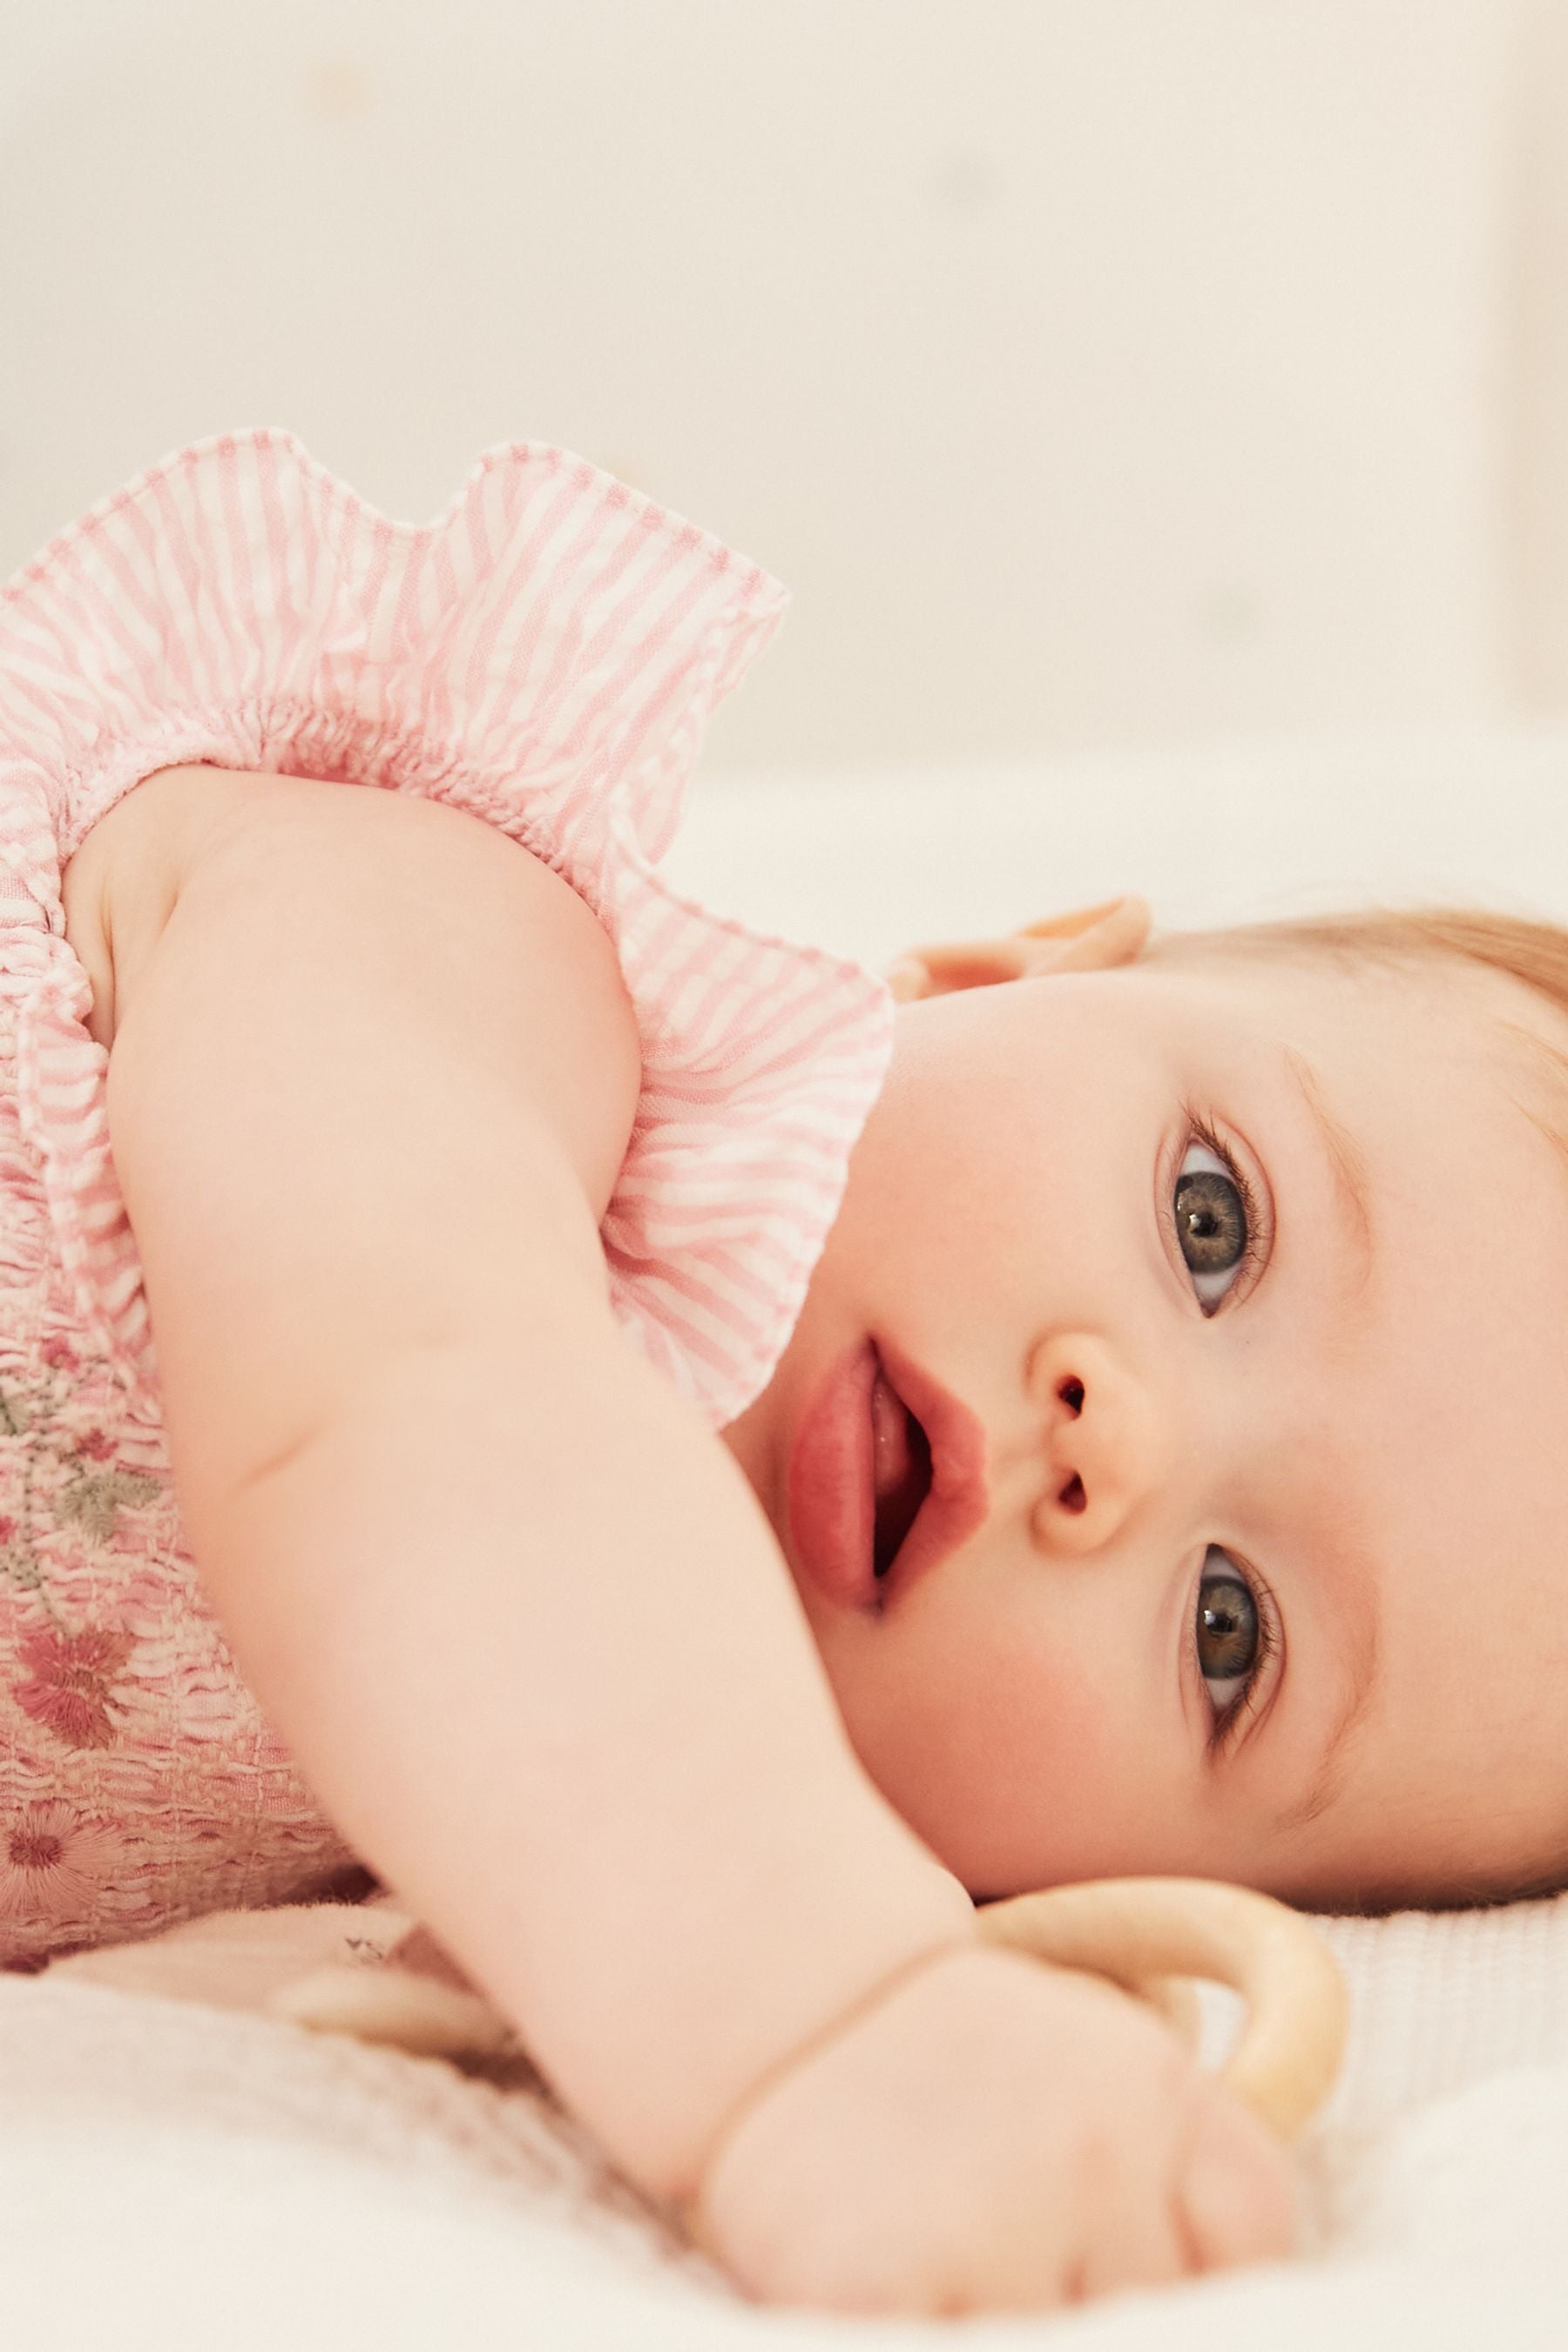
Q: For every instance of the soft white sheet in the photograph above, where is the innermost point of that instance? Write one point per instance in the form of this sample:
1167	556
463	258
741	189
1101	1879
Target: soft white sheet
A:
173	2173
178	2174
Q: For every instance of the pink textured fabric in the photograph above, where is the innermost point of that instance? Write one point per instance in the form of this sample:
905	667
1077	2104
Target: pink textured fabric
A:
544	655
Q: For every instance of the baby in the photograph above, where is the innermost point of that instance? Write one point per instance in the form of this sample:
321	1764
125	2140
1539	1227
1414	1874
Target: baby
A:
1141	1359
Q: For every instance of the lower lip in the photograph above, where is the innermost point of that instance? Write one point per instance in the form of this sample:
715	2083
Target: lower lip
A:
832	1484
832	1504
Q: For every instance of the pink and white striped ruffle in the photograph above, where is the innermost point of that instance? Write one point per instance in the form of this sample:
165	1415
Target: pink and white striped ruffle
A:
545	655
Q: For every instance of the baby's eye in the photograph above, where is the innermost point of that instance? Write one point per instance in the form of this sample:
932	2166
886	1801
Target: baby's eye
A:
1231	1635
1214	1227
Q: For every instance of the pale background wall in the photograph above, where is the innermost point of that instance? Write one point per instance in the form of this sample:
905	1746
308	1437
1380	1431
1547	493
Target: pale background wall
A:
1095	371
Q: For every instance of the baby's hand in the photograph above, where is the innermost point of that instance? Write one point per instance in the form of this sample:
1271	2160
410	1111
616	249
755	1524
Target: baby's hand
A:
992	2135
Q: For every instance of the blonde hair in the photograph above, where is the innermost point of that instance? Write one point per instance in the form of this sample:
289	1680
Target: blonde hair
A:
1532	953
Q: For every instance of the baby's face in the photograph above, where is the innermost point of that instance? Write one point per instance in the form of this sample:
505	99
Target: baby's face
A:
1329	1467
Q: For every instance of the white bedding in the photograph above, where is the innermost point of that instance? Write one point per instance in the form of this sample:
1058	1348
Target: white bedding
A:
174	2173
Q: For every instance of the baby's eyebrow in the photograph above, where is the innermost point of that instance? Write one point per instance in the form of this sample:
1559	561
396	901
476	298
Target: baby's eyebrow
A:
1347	1168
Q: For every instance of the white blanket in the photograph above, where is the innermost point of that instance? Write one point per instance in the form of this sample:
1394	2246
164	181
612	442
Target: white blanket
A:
174	2173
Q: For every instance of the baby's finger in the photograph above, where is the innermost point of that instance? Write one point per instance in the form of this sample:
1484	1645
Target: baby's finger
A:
1236	2194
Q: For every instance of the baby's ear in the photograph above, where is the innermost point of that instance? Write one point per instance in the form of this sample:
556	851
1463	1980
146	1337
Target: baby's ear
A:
1092	939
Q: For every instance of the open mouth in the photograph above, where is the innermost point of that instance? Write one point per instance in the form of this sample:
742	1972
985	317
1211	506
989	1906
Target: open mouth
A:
902	1471
881	1492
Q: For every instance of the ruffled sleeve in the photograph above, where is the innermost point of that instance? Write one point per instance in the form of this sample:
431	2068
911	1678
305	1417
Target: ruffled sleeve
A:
545	655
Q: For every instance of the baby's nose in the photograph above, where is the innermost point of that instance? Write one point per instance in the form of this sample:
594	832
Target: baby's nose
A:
1107	1445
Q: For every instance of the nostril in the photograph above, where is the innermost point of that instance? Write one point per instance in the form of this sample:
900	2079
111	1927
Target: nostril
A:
1072	1497
1071	1394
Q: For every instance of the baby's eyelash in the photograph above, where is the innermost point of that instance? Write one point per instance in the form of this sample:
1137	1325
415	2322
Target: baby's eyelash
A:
1226	1726
1202	1130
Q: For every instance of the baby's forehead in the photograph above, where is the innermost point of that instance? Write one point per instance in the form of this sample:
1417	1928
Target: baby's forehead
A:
1464	1016
1428	1060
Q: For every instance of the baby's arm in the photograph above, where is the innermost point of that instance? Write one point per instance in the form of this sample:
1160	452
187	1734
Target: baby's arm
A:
513	1608
524	1628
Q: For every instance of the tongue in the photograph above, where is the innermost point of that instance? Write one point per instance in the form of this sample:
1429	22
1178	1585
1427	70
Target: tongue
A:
891	1458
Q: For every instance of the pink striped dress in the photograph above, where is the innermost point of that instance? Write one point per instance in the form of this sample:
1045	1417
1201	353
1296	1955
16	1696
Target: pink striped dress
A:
544	655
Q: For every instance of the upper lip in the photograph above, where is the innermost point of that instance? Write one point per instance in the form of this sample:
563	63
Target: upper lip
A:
959	1499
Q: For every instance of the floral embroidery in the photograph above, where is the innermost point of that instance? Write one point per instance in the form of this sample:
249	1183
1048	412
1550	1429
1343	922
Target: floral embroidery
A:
94	1498
93	1490
19	1561
64	1685
67	1691
53	1862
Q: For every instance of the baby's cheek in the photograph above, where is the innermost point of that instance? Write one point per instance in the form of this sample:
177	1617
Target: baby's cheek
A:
998	1750
1049	1773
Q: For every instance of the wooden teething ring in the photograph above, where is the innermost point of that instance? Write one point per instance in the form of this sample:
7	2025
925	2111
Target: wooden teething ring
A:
1140	1931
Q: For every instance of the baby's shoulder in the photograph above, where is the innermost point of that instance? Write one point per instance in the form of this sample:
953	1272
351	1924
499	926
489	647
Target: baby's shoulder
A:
181	827
119	889
375	1083
509	951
